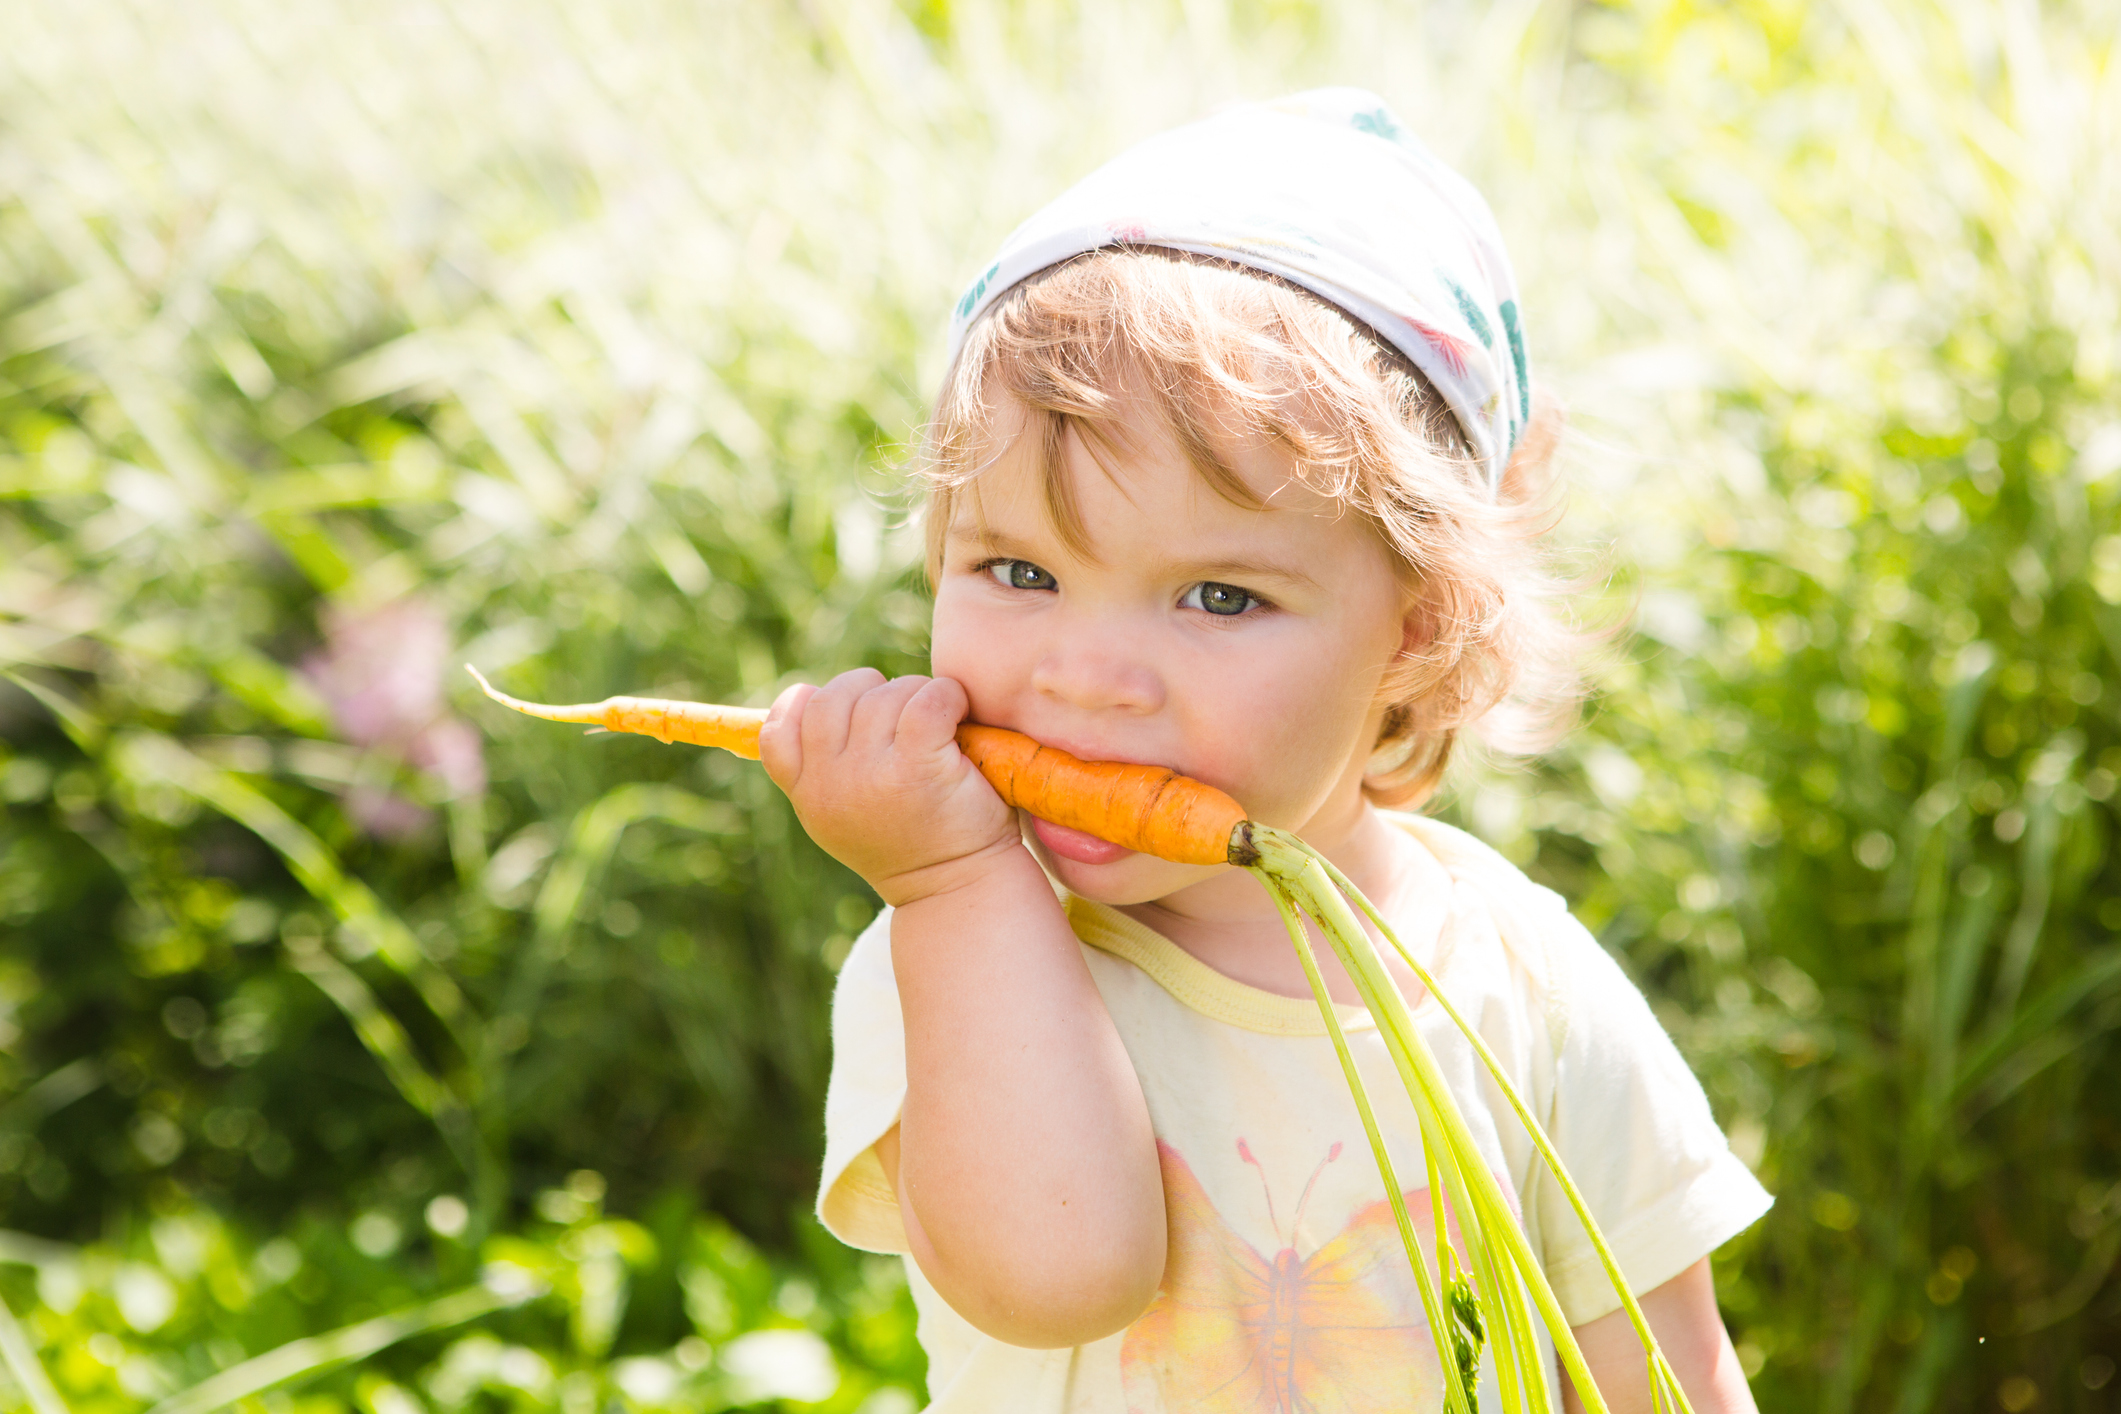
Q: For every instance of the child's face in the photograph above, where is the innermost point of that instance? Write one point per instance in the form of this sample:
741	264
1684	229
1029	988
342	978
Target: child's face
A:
1274	698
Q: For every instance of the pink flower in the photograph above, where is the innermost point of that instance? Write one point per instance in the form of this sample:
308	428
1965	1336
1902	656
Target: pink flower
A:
381	672
386	814
449	749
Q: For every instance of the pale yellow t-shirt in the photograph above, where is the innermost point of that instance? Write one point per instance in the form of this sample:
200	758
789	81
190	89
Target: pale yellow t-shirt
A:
1286	1286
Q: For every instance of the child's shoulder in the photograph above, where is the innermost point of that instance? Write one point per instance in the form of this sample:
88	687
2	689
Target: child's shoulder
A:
1530	916
1469	859
1567	971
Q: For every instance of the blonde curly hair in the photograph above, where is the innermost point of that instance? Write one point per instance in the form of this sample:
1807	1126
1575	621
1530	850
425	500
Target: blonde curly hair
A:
1228	353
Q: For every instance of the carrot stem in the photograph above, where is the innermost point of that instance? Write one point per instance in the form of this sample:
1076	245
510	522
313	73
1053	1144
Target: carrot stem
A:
1301	869
1457	1398
1282	856
1661	1372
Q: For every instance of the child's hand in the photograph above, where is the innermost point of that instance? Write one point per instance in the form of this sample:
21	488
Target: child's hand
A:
873	770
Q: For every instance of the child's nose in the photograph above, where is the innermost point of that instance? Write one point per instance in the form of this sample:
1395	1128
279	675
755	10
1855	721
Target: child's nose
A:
1098	673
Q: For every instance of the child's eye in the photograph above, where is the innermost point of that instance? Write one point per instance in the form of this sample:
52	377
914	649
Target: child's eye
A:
1019	574
1225	600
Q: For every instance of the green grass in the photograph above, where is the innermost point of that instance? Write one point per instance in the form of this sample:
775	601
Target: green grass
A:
593	332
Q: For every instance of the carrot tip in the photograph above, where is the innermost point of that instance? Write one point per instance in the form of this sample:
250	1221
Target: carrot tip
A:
579	712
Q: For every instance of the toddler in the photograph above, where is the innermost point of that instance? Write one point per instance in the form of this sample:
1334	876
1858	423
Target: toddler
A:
1235	470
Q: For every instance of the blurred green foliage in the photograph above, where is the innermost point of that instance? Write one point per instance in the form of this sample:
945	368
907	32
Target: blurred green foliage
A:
571	1310
337	346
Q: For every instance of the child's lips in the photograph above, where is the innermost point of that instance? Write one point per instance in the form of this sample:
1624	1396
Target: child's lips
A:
1076	845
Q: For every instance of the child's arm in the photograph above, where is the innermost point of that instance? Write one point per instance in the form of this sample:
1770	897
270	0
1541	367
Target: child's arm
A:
1683	1314
1024	1159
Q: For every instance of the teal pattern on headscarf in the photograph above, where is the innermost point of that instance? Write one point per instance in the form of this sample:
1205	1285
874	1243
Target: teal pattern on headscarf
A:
1524	387
1474	317
979	287
1379	122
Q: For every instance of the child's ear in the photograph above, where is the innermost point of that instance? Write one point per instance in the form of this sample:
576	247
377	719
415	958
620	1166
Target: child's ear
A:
1417	626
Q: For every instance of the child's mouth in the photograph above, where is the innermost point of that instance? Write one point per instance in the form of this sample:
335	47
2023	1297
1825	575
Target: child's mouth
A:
1065	843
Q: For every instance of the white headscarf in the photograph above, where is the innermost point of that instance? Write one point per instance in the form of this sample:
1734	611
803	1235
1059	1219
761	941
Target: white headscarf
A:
1327	190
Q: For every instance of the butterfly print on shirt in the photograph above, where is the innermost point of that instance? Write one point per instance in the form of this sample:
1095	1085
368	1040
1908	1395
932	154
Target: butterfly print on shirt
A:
1337	1331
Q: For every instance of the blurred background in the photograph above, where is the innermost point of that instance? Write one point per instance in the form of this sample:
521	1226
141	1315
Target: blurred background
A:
363	1048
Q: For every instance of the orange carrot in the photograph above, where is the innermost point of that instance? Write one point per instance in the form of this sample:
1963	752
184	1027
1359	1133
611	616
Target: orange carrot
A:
733	729
1152	809
1149	808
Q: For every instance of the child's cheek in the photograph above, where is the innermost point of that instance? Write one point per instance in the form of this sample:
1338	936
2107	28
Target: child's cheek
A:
1284	731
967	644
1241	744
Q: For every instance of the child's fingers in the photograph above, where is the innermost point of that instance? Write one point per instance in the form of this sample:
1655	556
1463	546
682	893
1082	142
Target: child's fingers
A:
875	721
827	716
781	737
931	715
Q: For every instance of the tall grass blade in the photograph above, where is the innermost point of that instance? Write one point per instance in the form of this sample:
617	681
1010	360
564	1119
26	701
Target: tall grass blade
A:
21	1360
353	902
314	1354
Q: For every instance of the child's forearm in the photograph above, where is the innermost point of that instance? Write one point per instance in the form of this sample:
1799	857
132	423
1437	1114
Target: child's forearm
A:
1684	1315
1026	1164
1026	1167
